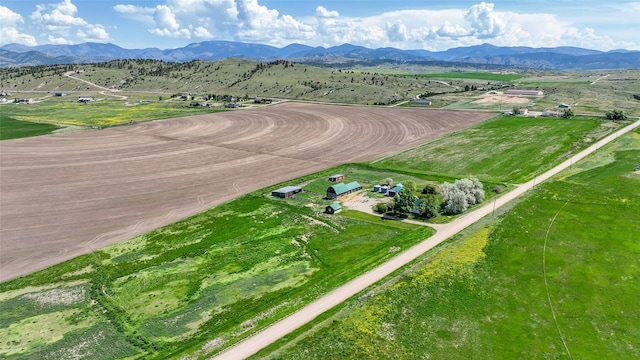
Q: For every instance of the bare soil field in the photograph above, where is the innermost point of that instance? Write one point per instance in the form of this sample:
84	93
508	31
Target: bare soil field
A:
68	194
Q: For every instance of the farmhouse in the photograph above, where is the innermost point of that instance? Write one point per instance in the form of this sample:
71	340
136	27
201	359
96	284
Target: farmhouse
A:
342	189
336	177
524	92
333	208
286	192
394	190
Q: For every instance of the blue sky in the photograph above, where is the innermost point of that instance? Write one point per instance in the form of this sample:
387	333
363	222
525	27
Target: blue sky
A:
430	25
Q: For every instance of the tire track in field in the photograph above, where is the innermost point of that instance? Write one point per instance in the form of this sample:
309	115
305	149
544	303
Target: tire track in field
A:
546	283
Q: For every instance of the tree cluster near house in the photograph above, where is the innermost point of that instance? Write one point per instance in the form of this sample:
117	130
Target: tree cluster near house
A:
452	199
458	196
616	115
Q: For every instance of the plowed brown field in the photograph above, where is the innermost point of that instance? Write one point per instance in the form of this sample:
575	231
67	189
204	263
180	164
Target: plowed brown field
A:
68	194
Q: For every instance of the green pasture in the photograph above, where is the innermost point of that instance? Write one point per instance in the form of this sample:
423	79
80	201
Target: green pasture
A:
210	279
554	276
101	113
11	128
504	150
488	76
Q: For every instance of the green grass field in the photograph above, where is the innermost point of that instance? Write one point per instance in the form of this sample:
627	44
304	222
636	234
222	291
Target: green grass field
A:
100	113
489	76
11	128
553	276
507	149
215	277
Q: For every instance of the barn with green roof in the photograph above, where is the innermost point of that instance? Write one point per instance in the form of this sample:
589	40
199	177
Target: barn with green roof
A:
341	189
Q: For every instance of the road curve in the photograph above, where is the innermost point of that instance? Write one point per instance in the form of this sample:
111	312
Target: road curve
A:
281	328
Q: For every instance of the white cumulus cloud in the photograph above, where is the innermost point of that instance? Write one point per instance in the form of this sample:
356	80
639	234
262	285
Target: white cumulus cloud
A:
9	32
433	29
60	19
485	22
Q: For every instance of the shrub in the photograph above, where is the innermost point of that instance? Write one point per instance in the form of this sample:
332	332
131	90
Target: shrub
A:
380	207
429	190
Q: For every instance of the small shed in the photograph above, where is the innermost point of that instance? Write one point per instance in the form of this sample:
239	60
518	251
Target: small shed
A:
333	208
286	192
336	177
376	188
342	189
384	189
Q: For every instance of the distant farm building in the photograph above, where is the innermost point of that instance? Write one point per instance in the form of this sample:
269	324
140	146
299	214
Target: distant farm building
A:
376	188
342	189
564	106
286	192
25	101
333	208
524	92
232	106
394	190
523	111
423	102
60	94
85	99
336	177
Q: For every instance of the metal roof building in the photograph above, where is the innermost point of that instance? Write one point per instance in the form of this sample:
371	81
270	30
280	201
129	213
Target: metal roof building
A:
286	192
342	189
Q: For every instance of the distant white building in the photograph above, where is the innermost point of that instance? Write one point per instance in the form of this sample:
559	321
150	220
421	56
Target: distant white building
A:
524	92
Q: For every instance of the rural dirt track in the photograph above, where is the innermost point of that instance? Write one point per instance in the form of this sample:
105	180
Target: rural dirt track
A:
68	194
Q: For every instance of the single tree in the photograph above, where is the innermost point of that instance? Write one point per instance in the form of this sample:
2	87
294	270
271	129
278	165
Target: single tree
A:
428	206
404	201
410	184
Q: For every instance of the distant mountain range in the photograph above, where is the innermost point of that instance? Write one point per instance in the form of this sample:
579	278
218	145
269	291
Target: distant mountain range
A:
558	58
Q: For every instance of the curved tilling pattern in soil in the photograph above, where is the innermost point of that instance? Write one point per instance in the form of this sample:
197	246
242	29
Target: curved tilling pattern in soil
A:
68	194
